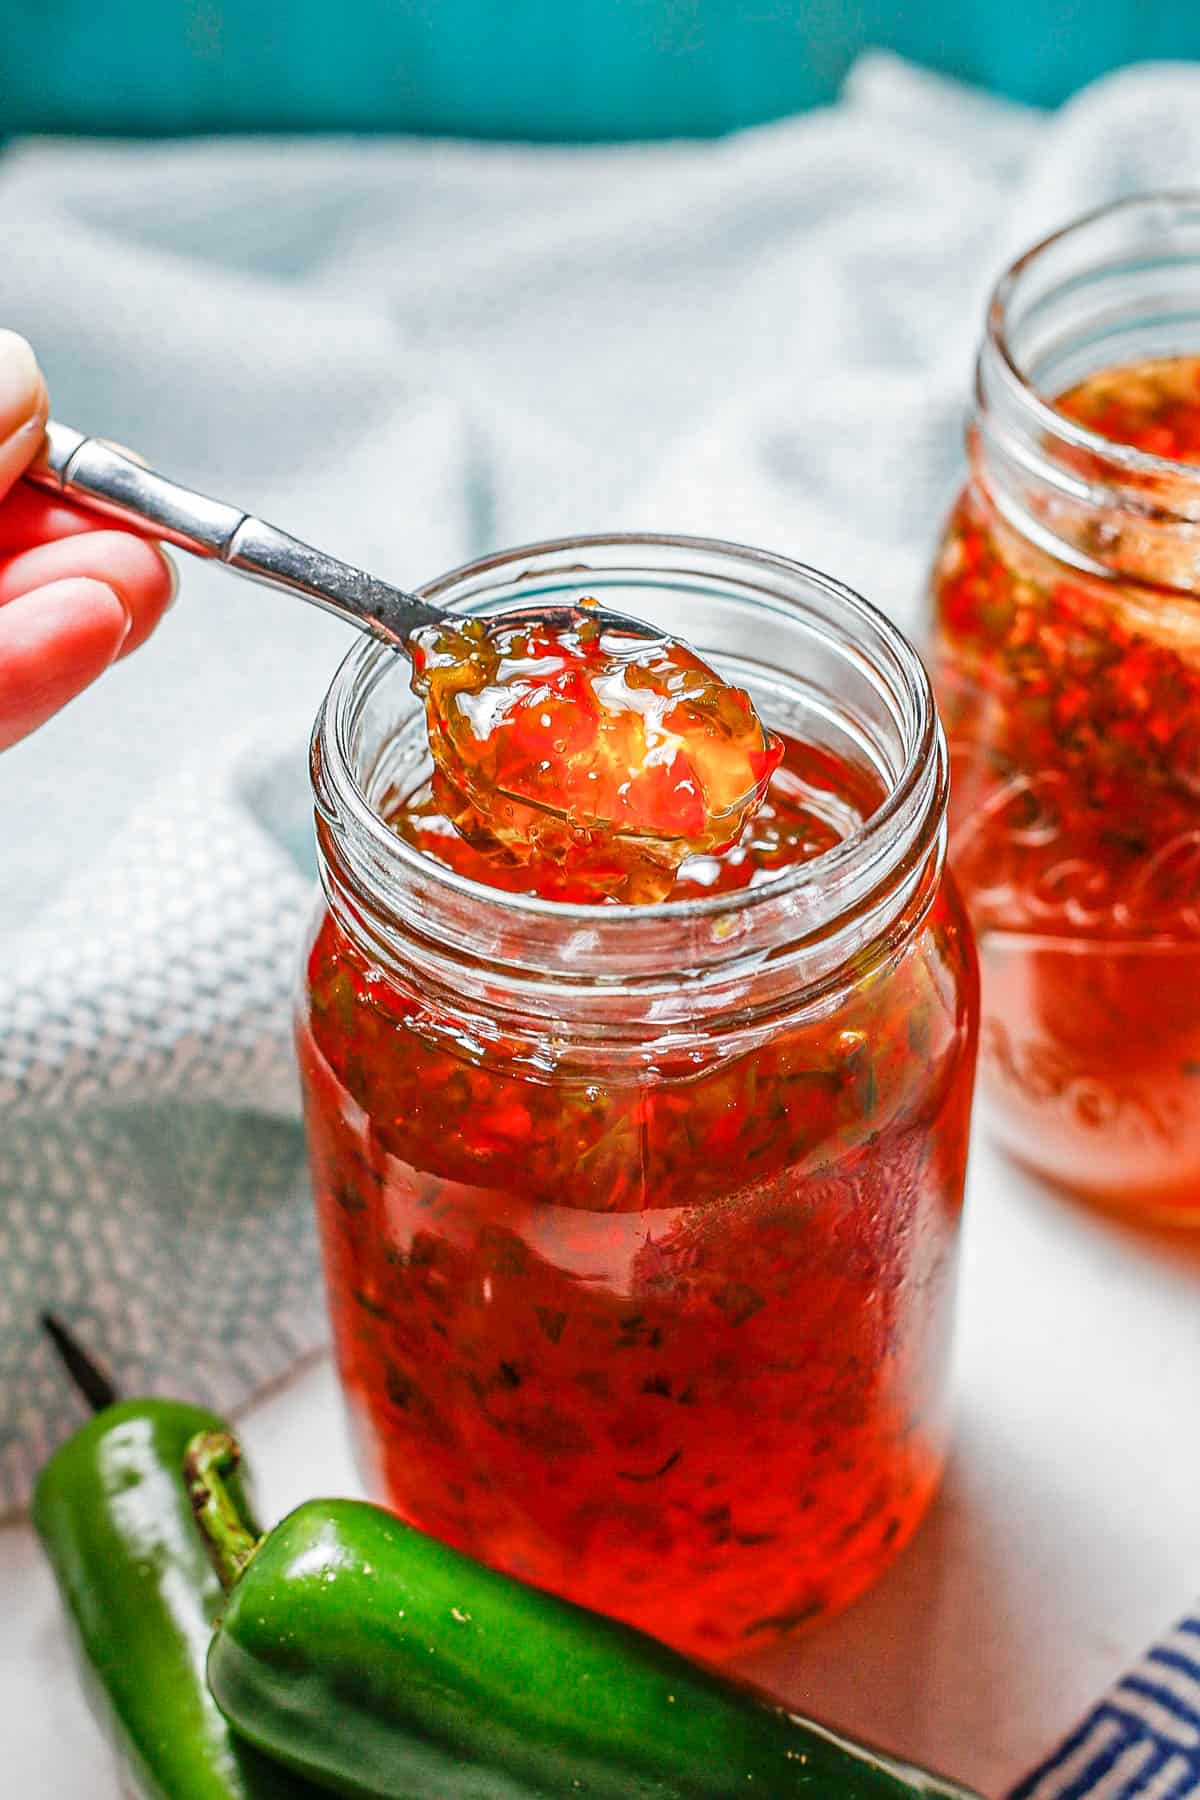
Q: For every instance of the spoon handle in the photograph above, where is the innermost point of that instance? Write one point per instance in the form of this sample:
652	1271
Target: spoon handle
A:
112	484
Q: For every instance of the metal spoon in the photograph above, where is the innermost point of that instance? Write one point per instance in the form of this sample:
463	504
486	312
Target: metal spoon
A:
107	481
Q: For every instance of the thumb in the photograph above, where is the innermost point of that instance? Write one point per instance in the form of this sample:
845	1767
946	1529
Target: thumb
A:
24	408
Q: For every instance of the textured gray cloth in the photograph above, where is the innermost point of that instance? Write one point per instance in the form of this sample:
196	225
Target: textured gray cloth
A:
410	352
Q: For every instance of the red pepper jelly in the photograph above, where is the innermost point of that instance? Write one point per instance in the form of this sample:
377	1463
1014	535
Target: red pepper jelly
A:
602	754
640	1222
1067	662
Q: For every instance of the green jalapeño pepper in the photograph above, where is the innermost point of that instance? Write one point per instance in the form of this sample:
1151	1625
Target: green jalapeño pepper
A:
112	1513
385	1666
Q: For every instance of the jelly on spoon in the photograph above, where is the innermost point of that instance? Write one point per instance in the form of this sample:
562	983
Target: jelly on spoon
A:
583	740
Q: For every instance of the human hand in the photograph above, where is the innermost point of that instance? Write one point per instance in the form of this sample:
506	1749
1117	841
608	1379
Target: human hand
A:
74	595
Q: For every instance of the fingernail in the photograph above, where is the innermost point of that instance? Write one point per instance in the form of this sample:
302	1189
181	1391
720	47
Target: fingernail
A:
21	385
125	608
173	572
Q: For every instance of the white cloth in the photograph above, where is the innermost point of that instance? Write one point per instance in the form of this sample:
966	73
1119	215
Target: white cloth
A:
410	352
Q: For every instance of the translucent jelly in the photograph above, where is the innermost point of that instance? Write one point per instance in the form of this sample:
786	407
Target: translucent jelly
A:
665	1331
609	756
1072	704
810	803
1153	406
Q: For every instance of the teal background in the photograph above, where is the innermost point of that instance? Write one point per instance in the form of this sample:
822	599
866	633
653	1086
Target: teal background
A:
533	69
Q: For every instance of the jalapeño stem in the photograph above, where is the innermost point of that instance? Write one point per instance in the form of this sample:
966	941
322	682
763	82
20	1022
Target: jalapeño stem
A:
210	1459
85	1372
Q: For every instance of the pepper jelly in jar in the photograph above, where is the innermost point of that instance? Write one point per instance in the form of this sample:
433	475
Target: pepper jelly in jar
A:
639	1221
1066	657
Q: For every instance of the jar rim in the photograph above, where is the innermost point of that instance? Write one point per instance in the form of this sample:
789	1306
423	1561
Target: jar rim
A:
880	843
1047	418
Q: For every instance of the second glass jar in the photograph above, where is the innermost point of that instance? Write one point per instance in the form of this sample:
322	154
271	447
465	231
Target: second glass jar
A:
640	1223
1066	658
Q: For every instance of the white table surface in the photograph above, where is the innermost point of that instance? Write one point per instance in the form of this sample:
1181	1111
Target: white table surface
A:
1066	1538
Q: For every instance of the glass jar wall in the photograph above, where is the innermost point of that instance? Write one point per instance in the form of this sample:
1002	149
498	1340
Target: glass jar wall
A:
1066	658
640	1223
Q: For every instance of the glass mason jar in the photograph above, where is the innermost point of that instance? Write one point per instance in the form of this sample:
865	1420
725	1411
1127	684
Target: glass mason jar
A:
639	1224
1066	659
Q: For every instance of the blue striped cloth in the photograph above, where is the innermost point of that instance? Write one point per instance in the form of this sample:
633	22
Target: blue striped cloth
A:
1142	1742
